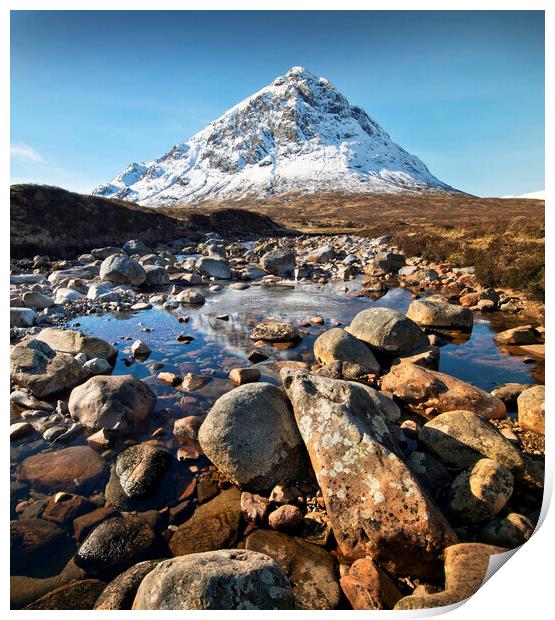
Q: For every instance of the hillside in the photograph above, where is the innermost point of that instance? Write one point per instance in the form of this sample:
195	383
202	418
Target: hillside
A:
53	221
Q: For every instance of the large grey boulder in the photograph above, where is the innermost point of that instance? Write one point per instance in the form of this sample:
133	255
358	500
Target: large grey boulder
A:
322	254
376	505
74	342
120	403
251	436
388	331
23	317
121	269
156	275
86	272
225	579
440	315
214	267
337	345
135	246
278	262
37	367
37	300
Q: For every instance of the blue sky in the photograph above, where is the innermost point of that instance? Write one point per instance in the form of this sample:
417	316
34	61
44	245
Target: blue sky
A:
93	91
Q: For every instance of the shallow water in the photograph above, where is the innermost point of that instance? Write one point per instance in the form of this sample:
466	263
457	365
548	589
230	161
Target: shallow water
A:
220	345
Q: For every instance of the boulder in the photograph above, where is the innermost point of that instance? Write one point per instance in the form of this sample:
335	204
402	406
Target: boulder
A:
531	409
155	275
439	315
115	545
466	565
461	438
190	297
388	331
240	376
140	469
386	262
73	469
77	595
432	473
65	294
272	331
226	579
524	334
509	531
102	253
121	269
23	317
140	349
120	403
367	586
120	593
43	371
376	505
420	387
97	366
322	254
37	300
214	267
251	436
102	291
286	518
73	342
213	525
311	570
278	262
509	393
86	272
32	542
480	492
136	246
337	345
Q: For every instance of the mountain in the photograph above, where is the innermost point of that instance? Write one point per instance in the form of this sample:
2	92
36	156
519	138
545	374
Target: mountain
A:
297	135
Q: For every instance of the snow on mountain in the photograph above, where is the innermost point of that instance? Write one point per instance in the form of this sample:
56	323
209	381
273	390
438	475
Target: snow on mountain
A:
299	134
539	195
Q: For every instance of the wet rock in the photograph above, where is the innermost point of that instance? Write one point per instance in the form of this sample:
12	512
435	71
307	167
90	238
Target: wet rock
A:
214	267
190	297
186	429
366	586
120	593
120	403
227	579
82	526
466	565
74	342
255	508
524	334
387	330
121	269
278	262
460	438
214	525
275	332
337	345
140	469
76	595
440	315
480	492
256	356
43	371
73	469
63	508
509	531
240	376
32	542
375	504
169	377
251	436
140	349
421	388
310	569
23	317
531	409
117	544
192	382
286	518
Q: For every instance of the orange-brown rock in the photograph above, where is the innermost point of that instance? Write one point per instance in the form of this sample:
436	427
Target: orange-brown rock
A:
421	388
366	586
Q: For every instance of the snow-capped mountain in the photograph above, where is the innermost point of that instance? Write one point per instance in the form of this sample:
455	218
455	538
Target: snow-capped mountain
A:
299	134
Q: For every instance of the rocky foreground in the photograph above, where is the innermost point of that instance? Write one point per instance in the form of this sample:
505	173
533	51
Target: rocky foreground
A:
362	478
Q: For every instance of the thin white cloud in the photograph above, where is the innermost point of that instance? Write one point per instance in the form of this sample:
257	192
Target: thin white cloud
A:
23	152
